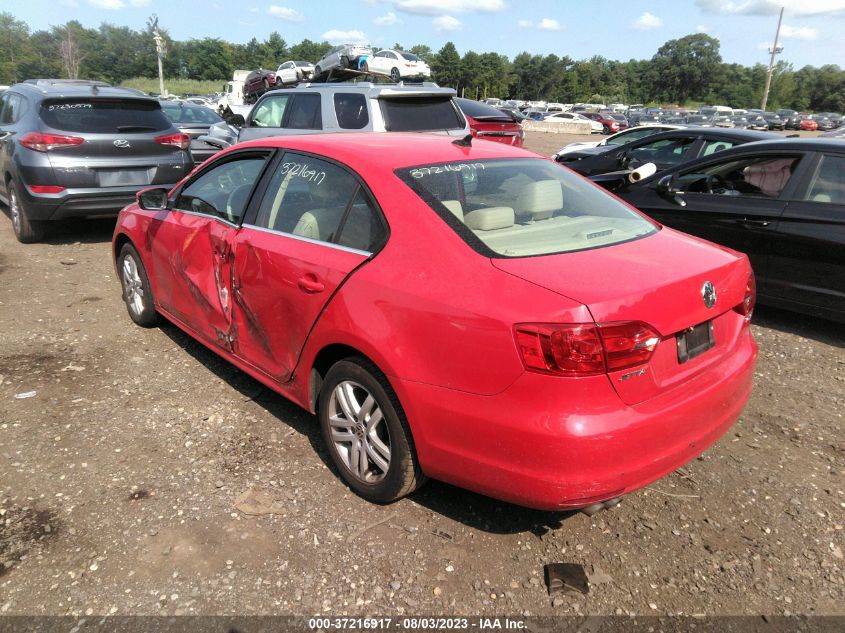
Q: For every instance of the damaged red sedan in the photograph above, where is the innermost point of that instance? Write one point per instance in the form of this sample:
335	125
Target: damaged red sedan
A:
464	311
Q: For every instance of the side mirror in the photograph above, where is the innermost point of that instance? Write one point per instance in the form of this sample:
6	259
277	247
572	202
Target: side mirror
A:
668	188
236	120
153	199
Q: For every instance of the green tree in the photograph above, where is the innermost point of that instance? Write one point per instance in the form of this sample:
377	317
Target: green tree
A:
15	48
446	66
310	51
684	68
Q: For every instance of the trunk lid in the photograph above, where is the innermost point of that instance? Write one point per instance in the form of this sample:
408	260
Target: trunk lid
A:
657	280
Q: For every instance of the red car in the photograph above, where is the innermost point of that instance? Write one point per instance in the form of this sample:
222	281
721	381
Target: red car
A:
611	125
460	310
258	82
491	124
808	125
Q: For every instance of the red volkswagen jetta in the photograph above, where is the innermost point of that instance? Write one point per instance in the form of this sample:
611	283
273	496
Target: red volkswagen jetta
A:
472	313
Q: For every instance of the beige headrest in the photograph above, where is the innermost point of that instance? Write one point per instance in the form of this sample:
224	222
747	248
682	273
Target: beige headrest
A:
540	199
455	207
490	219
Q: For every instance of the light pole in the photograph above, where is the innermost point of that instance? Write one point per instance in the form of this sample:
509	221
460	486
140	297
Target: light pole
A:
774	50
161	50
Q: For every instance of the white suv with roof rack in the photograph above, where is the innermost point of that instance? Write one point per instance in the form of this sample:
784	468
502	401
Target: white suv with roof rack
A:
316	108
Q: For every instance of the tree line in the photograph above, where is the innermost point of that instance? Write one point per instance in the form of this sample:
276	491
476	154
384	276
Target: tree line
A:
687	70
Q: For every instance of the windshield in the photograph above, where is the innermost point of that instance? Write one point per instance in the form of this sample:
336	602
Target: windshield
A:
419	114
104	115
524	207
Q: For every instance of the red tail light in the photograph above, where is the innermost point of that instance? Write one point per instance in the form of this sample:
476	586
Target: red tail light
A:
45	142
45	188
182	141
585	349
746	308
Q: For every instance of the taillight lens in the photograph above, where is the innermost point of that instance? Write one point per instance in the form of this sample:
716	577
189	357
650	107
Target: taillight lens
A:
182	141
628	344
585	349
45	142
746	308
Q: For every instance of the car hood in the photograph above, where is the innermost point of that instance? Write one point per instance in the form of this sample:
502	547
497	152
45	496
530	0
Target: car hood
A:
586	152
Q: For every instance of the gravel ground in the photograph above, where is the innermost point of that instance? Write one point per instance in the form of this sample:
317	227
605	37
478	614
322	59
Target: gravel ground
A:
138	476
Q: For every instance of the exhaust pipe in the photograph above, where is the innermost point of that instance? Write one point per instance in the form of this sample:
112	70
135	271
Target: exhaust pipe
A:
591	509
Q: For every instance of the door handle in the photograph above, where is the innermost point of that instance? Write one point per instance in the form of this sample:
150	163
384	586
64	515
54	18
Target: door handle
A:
310	284
752	224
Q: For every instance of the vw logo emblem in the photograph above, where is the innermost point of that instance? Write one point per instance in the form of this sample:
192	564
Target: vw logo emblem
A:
121	142
708	293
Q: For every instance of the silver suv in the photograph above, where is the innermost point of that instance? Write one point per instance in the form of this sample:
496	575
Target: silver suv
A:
71	149
342	107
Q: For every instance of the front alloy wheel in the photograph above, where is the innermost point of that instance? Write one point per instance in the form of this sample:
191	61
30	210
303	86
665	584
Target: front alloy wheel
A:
136	288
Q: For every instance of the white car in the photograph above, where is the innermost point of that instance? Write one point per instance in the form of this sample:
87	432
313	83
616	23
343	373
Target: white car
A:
620	138
345	56
292	72
397	64
595	126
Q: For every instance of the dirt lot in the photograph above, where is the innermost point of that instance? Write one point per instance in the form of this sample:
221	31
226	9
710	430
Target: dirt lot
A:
118	479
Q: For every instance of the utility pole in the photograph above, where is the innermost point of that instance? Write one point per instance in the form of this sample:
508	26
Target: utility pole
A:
774	50
161	51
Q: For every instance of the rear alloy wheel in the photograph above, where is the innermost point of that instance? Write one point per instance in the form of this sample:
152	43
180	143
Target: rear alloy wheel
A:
27	231
394	75
136	288
366	432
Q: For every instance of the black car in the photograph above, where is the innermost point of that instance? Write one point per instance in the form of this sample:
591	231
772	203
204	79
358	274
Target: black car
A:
609	166
71	149
193	120
774	121
781	202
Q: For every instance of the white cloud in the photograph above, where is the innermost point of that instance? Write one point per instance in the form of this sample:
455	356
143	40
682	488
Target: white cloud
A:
703	29
437	7
548	24
447	23
388	19
139	3
336	36
798	32
111	5
284	13
772	7
525	24
647	22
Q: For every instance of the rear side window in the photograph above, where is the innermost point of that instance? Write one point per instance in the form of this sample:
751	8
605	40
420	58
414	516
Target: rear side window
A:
351	110
829	182
362	228
104	116
12	109
420	114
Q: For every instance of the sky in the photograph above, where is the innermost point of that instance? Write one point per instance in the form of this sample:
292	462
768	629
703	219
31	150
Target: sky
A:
811	33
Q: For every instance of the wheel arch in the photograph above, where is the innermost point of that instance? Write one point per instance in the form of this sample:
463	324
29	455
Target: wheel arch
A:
324	359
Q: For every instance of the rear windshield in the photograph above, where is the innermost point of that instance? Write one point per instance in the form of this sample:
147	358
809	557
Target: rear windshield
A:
103	116
524	207
409	56
190	114
420	114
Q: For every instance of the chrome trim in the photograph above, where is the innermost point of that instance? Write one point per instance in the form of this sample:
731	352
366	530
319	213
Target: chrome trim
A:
199	214
339	247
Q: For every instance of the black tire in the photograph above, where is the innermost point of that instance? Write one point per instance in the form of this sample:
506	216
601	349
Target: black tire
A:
344	61
317	72
394	75
403	474
26	230
143	311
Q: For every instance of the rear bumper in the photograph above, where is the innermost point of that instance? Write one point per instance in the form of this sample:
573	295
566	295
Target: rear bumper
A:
556	443
80	203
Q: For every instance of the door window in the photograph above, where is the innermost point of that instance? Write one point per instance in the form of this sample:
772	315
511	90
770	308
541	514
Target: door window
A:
713	146
271	112
223	190
666	151
828	184
13	109
754	176
307	197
